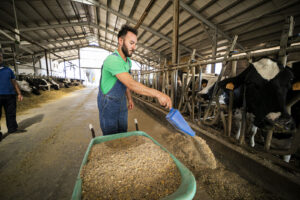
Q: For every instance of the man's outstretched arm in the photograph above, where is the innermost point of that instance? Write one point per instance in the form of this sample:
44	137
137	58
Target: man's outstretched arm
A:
139	88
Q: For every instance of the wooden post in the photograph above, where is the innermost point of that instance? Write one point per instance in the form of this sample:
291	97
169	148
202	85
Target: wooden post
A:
214	51
164	77
224	64
167	83
175	48
268	140
233	74
199	89
287	32
193	94
244	117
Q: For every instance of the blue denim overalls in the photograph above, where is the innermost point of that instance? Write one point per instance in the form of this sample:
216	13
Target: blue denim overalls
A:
112	107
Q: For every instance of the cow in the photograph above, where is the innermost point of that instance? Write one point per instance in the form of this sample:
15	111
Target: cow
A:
266	85
61	82
53	84
29	80
24	86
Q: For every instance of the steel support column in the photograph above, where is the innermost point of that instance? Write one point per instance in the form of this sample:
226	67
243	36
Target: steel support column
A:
13	48
46	60
65	69
50	64
79	64
34	70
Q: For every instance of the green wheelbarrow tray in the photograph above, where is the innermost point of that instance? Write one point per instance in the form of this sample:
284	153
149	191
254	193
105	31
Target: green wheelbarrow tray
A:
186	190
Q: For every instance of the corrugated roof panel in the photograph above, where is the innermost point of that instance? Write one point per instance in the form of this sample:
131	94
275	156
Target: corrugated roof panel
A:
199	4
156	8
188	25
140	9
152	40
127	7
103	17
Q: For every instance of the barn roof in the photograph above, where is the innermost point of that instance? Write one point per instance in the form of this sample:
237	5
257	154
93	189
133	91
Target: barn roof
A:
63	26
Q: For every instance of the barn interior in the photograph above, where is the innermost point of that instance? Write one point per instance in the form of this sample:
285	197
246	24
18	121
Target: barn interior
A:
183	47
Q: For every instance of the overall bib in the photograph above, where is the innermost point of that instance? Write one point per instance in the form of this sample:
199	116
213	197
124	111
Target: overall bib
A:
113	113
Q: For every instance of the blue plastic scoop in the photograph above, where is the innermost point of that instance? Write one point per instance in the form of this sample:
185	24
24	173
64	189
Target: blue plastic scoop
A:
177	120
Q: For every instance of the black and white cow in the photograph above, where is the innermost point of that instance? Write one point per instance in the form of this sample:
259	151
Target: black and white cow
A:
268	86
54	84
29	80
24	86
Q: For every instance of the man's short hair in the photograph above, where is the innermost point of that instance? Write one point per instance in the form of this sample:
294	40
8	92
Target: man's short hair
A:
124	30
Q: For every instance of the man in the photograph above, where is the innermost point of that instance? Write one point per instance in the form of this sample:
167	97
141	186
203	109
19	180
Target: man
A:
116	84
8	89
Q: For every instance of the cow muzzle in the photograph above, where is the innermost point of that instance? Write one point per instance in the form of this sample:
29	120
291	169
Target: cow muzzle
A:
281	124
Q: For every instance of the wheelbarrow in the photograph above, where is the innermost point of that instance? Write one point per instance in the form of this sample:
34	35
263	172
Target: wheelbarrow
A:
186	190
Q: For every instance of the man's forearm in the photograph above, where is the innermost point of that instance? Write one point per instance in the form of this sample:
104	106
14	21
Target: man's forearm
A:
143	90
135	86
128	94
16	86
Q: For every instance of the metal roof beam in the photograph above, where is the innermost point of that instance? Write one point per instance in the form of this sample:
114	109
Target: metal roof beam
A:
139	44
54	26
80	24
45	42
207	22
96	3
67	48
13	39
138	53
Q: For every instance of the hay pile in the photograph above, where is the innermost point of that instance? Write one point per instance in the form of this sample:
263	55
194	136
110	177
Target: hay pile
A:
33	101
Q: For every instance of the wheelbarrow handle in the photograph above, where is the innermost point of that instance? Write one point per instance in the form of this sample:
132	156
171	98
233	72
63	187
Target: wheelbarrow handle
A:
136	124
92	130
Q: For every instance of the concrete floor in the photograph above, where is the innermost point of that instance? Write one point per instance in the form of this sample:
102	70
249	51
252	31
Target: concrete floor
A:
43	162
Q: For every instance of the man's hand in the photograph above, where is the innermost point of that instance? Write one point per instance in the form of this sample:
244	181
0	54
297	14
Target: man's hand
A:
20	97
164	100
130	104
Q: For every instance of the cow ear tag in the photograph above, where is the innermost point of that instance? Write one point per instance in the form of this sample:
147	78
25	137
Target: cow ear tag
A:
296	86
229	86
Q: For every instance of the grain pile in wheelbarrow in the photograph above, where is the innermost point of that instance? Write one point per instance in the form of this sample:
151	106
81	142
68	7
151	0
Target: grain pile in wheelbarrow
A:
129	168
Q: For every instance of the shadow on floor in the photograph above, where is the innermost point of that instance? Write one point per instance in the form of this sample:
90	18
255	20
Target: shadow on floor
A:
25	124
30	121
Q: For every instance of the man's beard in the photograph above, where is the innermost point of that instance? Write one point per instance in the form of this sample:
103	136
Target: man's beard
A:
125	51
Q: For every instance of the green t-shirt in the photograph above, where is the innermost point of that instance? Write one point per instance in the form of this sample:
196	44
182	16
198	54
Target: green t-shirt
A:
112	65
